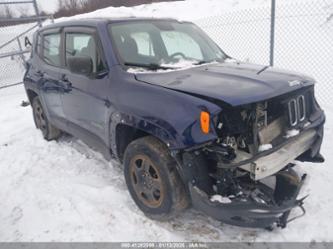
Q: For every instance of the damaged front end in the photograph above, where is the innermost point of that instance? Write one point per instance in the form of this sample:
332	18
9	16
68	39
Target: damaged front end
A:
259	206
245	177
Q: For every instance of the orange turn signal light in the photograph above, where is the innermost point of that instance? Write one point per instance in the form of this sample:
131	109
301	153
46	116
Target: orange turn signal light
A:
204	122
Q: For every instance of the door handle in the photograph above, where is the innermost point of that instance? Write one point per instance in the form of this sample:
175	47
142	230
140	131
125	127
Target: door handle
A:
107	103
68	86
64	78
40	74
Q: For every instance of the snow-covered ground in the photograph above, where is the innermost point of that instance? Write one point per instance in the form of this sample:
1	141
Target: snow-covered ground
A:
64	191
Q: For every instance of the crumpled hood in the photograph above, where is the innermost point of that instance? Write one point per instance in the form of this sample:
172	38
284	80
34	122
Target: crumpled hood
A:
233	83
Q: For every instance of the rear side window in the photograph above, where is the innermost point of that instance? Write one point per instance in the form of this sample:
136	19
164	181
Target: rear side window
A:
51	49
84	45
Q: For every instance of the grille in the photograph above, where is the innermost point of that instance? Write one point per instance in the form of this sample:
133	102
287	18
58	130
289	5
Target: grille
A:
297	110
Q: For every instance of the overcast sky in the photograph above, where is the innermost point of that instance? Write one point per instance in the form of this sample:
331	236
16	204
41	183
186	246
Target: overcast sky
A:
48	5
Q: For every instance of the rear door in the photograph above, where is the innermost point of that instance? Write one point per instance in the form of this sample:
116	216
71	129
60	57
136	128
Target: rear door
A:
86	102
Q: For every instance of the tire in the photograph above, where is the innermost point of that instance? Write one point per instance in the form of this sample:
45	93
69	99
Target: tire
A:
42	123
152	179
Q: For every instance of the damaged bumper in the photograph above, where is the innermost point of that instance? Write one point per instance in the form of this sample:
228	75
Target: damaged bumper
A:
272	161
248	212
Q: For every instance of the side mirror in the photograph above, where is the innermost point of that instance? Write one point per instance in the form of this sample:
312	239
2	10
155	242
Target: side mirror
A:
80	65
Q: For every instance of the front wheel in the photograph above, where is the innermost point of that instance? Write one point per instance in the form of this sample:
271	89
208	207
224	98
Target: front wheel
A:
49	131
152	179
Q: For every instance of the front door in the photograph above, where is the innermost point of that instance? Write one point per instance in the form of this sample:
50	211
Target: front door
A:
85	102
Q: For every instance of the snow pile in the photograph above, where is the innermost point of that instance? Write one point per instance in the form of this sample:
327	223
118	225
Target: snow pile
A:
220	199
264	147
182	63
291	133
170	67
180	10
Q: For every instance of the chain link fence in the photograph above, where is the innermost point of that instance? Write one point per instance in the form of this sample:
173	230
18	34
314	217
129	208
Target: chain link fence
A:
304	43
303	39
243	34
12	59
13	30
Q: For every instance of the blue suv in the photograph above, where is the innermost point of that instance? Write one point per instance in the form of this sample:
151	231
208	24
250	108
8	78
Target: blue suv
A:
190	125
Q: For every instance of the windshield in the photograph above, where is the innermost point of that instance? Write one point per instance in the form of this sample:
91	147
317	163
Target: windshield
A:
160	44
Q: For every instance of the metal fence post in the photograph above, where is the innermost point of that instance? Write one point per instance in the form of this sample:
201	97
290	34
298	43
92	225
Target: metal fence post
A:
11	71
21	51
271	59
37	13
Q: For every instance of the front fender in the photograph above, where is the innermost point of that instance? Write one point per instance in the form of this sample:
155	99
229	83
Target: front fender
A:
164	133
171	116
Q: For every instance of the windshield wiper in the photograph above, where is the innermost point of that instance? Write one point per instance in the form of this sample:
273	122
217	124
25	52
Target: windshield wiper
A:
204	62
150	66
201	62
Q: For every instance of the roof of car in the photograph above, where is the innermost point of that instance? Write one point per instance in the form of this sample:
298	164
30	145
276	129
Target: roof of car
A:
95	21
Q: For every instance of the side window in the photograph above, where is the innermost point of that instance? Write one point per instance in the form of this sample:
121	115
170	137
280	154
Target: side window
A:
80	44
144	43
176	42
51	49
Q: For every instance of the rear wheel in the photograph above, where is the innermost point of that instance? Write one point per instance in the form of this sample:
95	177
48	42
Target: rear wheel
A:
49	131
152	179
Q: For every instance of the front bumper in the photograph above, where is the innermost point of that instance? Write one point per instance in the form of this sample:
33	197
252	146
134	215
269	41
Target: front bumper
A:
248	213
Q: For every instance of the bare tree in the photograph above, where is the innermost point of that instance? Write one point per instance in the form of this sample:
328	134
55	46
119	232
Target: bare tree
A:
7	12
68	8
72	4
61	4
23	11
